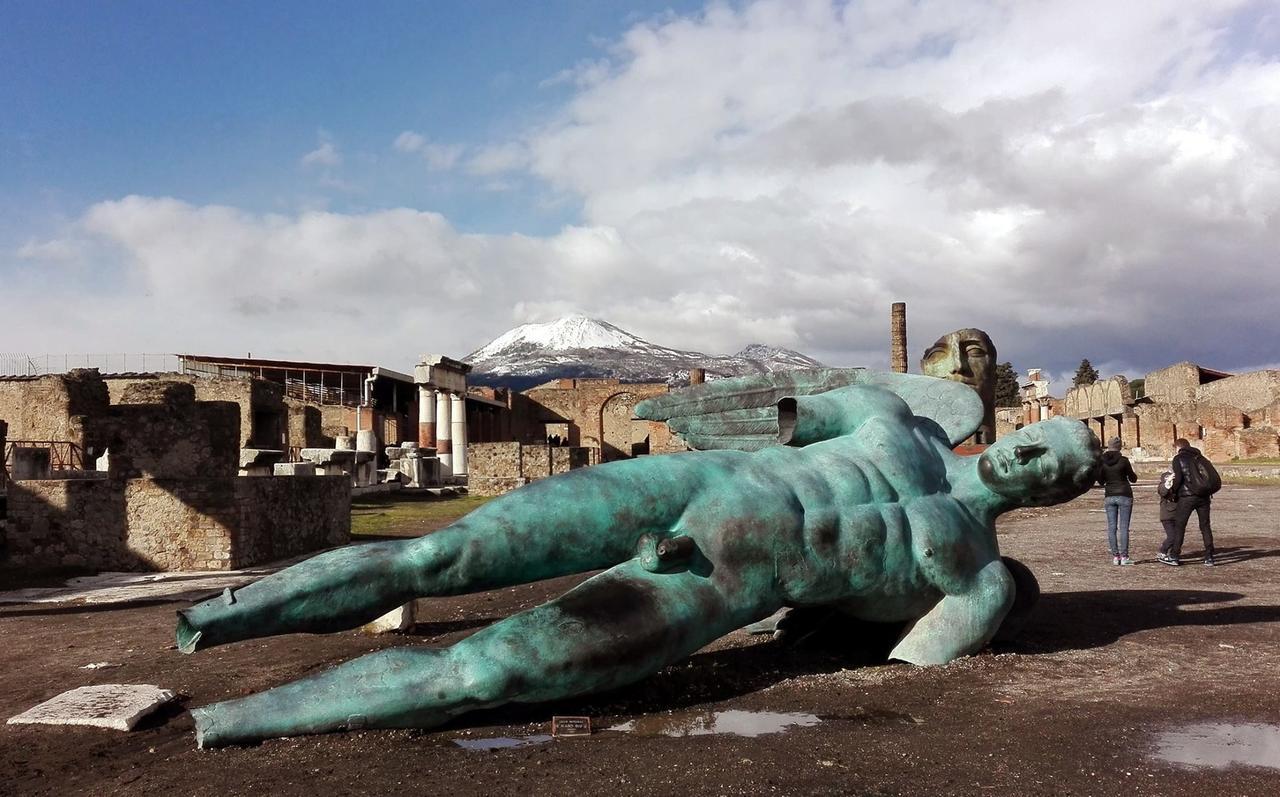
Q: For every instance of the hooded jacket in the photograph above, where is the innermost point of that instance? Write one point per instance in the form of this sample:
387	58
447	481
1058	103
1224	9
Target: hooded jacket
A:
1116	474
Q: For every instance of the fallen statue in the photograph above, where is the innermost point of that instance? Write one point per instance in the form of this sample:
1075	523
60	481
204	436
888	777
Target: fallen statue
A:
864	508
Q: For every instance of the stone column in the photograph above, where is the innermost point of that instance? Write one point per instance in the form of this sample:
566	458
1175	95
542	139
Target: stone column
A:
1044	410
444	445
426	417
459	434
898	337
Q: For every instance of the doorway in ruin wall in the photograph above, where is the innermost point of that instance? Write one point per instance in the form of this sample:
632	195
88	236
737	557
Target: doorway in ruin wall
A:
621	437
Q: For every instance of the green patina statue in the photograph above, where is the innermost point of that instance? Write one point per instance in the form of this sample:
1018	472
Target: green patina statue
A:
864	507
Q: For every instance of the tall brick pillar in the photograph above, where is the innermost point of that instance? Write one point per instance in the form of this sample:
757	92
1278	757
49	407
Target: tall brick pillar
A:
444	433
697	376
426	417
898	337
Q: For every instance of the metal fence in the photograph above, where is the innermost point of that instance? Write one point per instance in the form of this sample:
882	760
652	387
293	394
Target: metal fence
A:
40	364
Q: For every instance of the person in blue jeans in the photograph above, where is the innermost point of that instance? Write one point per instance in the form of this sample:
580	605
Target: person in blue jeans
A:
1115	476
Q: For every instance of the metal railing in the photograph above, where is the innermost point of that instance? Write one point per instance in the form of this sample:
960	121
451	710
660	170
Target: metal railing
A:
18	364
63	454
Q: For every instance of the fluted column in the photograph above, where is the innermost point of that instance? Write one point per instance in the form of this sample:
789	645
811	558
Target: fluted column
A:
444	446
426	417
459	434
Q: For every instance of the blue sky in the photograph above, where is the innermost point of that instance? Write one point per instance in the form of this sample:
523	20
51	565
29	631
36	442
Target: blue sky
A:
216	102
331	181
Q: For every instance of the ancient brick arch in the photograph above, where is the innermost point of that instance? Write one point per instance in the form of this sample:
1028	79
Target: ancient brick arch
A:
619	434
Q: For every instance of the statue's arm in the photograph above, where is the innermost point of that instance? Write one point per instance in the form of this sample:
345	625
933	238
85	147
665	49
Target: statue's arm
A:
962	622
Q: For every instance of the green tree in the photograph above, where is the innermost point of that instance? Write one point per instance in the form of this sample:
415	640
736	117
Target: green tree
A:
1086	374
1138	387
1007	390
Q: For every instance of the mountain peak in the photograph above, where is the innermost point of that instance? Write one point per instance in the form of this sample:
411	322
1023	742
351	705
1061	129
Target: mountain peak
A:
583	347
575	331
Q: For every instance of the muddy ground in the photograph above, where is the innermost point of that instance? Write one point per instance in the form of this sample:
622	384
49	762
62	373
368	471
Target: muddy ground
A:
1113	658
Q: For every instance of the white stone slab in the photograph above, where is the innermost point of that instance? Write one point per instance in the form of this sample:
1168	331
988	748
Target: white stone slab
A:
116	706
132	587
396	620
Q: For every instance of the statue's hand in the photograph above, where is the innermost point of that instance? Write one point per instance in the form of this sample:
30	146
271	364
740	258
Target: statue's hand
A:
960	623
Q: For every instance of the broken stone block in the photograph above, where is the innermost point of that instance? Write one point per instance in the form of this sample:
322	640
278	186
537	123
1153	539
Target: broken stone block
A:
294	469
399	619
258	461
329	456
116	706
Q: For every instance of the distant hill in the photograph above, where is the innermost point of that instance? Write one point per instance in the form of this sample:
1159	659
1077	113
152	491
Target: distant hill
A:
577	347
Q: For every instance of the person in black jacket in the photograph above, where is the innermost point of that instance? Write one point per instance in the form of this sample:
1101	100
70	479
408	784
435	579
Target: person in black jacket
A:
1184	459
1115	477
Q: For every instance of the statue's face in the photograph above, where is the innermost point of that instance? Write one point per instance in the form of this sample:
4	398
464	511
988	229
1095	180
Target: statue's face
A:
1044	463
965	355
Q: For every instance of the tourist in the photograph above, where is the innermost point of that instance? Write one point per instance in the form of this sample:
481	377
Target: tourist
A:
1115	477
1194	482
1168	509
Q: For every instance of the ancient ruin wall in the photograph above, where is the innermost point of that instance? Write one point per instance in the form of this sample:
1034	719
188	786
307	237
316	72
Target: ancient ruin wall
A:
279	517
257	398
497	468
184	524
1176	384
160	431
58	407
1249	392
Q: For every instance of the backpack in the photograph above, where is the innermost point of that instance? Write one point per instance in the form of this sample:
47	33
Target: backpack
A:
1201	477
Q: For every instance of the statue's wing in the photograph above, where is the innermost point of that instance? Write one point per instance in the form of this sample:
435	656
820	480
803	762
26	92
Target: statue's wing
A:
742	413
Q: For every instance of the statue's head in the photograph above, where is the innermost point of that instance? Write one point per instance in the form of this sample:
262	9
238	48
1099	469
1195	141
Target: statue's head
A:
1042	464
966	355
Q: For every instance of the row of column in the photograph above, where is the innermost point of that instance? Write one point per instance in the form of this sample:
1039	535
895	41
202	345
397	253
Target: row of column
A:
442	425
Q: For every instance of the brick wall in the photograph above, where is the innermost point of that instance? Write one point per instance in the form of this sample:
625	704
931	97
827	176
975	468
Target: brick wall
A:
1248	393
57	407
1176	384
497	468
160	431
261	402
163	524
598	412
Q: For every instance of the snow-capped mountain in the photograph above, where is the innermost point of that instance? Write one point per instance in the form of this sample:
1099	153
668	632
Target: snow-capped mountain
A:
580	347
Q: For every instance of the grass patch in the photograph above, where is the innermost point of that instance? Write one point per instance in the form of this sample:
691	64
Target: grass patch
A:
401	515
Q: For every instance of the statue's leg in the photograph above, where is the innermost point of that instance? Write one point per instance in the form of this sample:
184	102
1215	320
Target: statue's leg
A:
573	523
611	630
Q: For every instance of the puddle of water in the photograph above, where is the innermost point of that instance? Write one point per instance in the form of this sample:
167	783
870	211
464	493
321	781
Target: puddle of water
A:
502	742
1221	745
705	723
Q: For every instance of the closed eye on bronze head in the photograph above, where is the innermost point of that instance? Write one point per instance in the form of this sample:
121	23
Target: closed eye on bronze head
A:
1025	454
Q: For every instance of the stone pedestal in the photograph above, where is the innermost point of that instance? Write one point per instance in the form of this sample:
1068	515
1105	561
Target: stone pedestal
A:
259	461
294	469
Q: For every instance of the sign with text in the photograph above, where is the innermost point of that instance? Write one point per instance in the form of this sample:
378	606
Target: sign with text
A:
570	726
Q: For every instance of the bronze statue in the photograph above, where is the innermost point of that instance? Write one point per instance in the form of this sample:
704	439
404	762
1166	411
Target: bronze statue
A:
969	357
863	507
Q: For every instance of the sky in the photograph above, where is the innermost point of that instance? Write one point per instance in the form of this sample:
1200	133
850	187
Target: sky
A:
367	183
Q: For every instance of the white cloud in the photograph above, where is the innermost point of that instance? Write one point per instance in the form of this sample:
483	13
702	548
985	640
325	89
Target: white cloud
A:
782	171
439	157
325	155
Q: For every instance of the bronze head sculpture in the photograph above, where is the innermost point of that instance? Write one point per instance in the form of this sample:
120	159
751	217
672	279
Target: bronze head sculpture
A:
969	357
826	488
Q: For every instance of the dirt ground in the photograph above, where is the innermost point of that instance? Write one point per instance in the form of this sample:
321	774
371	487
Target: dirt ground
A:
1113	658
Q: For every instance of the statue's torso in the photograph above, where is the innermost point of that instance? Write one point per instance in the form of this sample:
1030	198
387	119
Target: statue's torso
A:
865	522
